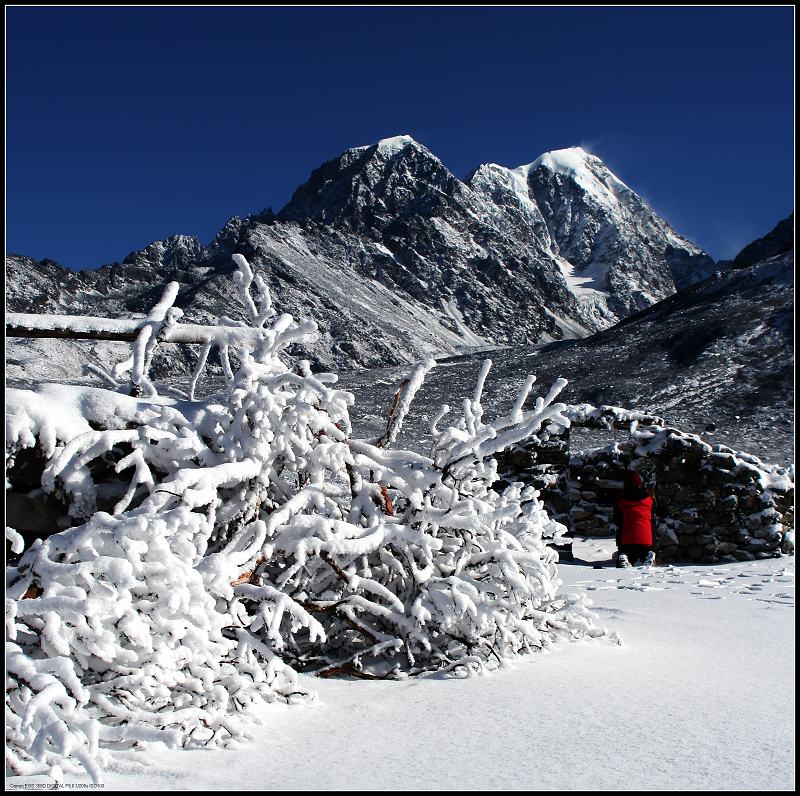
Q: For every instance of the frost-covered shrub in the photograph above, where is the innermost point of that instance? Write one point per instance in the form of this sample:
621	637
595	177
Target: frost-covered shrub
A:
418	563
115	638
253	537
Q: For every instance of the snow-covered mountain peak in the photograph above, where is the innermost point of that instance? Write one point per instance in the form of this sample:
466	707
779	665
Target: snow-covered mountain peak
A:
570	161
401	152
382	178
587	170
176	248
388	147
395	144
570	158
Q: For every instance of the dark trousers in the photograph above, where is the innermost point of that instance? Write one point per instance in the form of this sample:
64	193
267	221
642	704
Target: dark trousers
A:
635	552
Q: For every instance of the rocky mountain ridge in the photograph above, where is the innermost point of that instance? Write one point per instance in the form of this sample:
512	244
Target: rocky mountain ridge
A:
394	257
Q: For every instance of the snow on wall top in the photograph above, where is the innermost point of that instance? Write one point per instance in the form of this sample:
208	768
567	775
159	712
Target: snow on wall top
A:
58	413
30	415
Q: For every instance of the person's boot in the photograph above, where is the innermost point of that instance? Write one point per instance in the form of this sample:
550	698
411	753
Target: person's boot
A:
650	561
622	561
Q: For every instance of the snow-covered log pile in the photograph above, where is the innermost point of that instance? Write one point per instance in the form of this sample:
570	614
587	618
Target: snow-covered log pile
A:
713	503
217	547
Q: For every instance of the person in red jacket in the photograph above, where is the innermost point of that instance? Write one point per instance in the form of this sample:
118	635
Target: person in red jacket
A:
635	521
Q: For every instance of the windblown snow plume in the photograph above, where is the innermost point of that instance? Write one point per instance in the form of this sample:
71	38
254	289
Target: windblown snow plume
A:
250	537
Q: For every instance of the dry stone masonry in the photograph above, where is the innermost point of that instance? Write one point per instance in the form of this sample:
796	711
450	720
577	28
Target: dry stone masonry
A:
713	503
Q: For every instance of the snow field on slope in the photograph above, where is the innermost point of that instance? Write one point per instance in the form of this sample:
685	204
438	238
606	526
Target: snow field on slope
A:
700	696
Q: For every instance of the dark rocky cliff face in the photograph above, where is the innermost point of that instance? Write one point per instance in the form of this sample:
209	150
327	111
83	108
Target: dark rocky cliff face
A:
779	241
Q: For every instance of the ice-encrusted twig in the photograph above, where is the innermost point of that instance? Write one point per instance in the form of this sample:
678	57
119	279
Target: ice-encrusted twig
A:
148	338
402	402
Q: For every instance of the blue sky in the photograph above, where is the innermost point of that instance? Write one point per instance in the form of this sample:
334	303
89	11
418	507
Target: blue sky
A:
126	125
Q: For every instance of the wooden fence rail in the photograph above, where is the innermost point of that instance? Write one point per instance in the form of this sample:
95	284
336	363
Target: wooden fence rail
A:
85	327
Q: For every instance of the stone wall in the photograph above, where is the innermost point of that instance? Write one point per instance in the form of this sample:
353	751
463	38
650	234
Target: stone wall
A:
712	503
545	463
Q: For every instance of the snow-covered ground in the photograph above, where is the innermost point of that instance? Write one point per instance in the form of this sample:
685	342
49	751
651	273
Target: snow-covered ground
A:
699	696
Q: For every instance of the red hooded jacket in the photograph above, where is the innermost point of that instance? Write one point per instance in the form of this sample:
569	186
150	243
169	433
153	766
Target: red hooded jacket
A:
635	513
637	521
